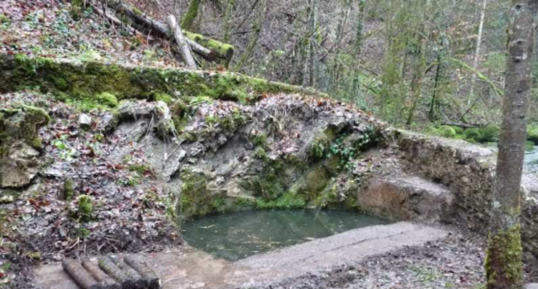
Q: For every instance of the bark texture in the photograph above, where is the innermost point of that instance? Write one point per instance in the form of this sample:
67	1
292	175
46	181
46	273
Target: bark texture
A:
504	253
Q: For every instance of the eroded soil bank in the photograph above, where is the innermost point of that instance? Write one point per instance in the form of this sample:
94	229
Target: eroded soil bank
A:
101	159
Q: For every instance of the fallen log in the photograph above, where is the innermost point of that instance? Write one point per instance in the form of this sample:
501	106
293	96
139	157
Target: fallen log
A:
184	48
104	280
137	281
152	280
223	50
111	269
208	48
464	125
80	275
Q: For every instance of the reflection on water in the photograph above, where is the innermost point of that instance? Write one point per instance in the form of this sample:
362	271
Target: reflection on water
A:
239	235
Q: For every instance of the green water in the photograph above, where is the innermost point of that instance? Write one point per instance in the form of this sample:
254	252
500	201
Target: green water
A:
239	235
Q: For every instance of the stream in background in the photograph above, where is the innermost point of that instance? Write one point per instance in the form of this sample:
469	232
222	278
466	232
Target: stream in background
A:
239	235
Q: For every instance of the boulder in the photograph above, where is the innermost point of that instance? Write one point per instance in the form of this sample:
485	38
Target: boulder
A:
19	166
406	198
84	121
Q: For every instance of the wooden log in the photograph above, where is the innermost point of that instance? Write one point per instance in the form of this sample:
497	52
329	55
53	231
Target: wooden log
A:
159	29
464	125
223	50
137	281
111	269
80	275
104	280
184	48
152	280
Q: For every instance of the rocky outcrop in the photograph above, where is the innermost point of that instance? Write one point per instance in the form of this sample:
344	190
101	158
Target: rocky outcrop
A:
19	144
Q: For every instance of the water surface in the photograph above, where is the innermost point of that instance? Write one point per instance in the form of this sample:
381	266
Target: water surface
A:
239	235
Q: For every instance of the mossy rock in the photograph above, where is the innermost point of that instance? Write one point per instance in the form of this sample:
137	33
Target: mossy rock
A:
83	81
447	131
489	134
473	134
23	122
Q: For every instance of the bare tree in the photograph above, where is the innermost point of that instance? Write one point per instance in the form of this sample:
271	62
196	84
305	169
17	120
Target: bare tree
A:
504	256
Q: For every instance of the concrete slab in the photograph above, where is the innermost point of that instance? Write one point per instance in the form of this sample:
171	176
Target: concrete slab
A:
350	246
188	268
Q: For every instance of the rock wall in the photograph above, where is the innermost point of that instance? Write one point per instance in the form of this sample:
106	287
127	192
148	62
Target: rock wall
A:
468	171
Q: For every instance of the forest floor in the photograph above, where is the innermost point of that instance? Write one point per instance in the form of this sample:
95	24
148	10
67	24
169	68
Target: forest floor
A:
46	28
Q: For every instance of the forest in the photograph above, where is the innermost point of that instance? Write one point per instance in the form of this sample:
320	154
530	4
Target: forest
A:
268	144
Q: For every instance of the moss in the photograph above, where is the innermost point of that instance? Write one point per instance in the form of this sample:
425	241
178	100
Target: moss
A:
84	208
140	168
197	200
259	139
289	200
192	12
447	131
473	134
4	19
69	189
107	99
84	81
164	97
261	154
489	134
503	263
224	50
61	83
23	122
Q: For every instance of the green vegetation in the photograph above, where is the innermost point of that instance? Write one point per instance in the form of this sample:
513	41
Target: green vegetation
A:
85	84
69	189
486	134
84	208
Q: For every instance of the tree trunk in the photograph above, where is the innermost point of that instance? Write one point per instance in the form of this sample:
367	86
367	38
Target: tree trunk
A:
309	65
478	46
504	254
192	12
438	86
184	48
227	27
257	28
360	28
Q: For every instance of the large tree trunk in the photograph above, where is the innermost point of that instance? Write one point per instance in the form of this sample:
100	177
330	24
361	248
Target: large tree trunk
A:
184	48
504	256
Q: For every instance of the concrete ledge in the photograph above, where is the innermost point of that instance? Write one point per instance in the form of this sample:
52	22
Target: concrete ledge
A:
348	247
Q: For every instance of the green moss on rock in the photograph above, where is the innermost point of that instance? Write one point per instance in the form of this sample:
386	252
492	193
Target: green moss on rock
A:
83	81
